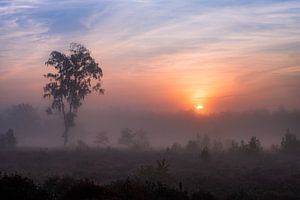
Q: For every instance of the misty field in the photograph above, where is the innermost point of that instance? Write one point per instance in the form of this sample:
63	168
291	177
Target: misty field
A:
224	175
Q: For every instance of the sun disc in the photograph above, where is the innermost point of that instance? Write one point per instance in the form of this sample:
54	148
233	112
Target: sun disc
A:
199	107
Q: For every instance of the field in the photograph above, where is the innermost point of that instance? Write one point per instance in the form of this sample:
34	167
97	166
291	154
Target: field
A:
225	175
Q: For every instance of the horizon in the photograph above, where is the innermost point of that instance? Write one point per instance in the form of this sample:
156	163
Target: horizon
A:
150	99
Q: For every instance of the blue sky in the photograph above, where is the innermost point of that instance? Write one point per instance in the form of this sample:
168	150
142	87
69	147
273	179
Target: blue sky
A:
201	48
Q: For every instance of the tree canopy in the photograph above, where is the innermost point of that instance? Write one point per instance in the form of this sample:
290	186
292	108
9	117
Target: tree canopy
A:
75	76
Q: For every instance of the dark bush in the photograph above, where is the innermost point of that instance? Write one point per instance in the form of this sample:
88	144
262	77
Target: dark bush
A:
15	187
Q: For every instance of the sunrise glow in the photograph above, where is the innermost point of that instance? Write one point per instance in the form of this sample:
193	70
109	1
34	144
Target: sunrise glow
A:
199	107
183	55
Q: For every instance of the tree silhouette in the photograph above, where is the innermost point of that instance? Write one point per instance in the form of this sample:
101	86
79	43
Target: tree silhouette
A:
102	139
254	145
8	140
290	142
71	82
205	155
134	139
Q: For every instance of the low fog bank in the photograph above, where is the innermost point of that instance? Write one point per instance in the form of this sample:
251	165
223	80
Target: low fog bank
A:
34	128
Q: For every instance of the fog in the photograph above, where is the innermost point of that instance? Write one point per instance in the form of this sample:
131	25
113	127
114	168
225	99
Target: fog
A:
35	128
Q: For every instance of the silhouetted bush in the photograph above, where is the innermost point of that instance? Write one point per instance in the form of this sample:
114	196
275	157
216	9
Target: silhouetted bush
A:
15	187
8	140
85	190
57	187
202	195
290	143
254	146
160	173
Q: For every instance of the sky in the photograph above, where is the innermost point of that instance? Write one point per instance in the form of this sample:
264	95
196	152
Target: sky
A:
159	55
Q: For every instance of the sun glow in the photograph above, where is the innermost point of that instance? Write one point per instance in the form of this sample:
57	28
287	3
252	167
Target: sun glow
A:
199	107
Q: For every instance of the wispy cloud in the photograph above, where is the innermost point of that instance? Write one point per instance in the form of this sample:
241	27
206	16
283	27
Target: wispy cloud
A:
196	44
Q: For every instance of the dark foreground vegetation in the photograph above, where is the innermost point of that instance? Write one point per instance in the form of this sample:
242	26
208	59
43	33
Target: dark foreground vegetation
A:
18	187
227	177
242	171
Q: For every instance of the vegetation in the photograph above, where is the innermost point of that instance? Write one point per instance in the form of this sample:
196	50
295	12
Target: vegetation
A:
71	82
203	168
8	140
134	139
102	139
242	171
289	142
65	188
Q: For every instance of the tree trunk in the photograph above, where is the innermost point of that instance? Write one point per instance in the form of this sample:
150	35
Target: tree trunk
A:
65	135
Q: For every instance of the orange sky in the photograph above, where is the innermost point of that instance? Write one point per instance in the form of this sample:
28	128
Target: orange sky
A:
237	57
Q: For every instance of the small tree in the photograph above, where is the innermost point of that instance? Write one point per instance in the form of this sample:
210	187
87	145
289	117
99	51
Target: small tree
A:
234	146
176	147
290	142
192	146
102	139
254	145
141	139
127	137
217	146
8	140
134	140
71	82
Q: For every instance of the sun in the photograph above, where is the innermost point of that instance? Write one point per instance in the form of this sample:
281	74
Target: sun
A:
199	107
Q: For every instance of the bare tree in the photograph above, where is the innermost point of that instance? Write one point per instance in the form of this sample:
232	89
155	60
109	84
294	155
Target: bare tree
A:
71	82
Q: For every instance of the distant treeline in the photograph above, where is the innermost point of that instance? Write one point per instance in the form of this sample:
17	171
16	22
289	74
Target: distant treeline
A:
138	141
34	127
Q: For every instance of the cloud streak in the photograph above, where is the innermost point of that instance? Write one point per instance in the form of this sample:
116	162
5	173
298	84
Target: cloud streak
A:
197	46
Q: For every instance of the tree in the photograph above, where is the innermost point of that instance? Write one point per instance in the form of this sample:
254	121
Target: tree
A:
82	146
76	75
127	137
205	142
234	146
134	140
217	146
290	142
141	139
176	147
8	140
102	139
254	145
192	146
